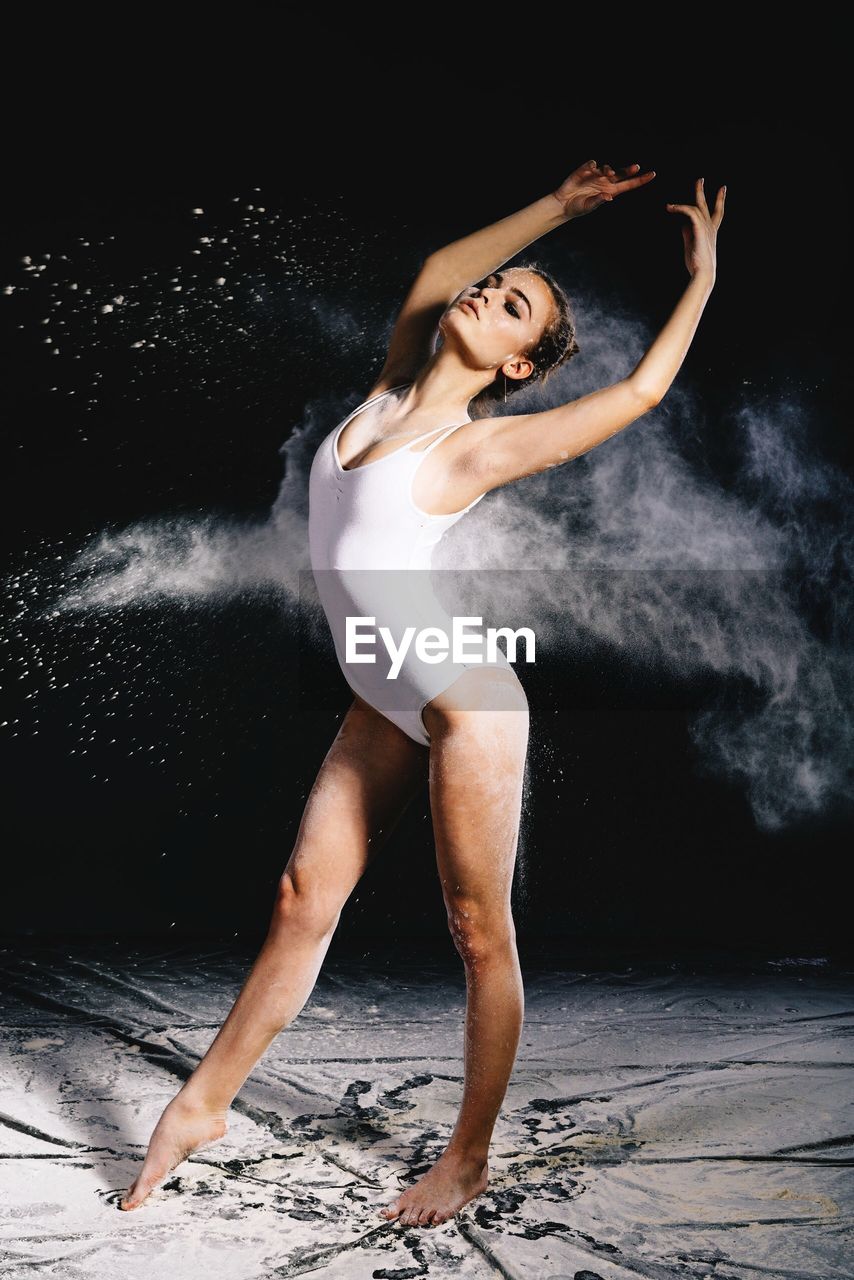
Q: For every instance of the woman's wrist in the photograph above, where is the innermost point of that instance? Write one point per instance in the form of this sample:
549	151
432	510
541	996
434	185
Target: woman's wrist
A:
704	280
556	207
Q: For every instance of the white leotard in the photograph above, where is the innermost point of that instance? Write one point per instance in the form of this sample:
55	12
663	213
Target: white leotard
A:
369	546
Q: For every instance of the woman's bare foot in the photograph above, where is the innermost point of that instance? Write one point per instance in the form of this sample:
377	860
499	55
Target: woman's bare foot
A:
182	1129
451	1183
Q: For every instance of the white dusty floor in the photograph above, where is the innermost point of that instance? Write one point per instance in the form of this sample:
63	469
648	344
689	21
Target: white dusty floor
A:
661	1122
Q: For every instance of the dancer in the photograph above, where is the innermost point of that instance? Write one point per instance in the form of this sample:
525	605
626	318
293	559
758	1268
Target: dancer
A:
380	499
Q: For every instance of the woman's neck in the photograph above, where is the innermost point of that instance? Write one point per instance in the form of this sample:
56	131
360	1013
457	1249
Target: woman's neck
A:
443	389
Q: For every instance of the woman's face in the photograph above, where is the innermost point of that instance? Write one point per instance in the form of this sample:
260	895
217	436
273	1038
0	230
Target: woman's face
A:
499	317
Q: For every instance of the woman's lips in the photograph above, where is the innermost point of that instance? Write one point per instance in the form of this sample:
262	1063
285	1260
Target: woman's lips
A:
467	302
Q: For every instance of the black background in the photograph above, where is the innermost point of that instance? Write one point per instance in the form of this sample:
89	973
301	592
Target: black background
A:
395	160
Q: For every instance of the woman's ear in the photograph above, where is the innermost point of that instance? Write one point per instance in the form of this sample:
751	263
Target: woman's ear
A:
518	369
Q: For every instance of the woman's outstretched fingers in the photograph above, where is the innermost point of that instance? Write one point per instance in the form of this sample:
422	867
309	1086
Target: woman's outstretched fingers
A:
639	179
699	233
701	207
590	186
690	209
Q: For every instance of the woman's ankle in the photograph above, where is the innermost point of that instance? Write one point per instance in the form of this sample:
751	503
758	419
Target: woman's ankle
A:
192	1097
472	1155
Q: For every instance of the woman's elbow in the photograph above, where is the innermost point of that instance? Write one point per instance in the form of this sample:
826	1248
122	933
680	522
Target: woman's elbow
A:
647	394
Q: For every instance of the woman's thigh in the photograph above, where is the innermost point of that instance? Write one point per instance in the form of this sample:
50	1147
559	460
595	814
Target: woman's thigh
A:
479	739
368	777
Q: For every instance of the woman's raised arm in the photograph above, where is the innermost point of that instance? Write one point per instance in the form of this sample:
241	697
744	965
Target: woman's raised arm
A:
477	255
447	271
522	444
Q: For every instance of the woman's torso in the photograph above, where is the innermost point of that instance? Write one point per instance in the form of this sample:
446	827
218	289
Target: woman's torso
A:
365	517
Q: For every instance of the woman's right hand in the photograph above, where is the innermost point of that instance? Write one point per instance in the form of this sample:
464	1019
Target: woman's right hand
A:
588	186
701	231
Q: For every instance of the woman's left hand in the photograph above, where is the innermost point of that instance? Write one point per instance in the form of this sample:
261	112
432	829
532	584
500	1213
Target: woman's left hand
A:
700	232
588	186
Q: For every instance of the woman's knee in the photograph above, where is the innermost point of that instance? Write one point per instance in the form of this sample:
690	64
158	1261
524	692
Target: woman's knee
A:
481	932
302	904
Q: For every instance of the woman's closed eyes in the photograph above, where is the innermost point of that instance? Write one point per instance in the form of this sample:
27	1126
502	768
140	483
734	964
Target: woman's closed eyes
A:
510	306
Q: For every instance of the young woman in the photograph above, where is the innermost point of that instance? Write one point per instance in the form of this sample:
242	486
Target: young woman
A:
380	499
